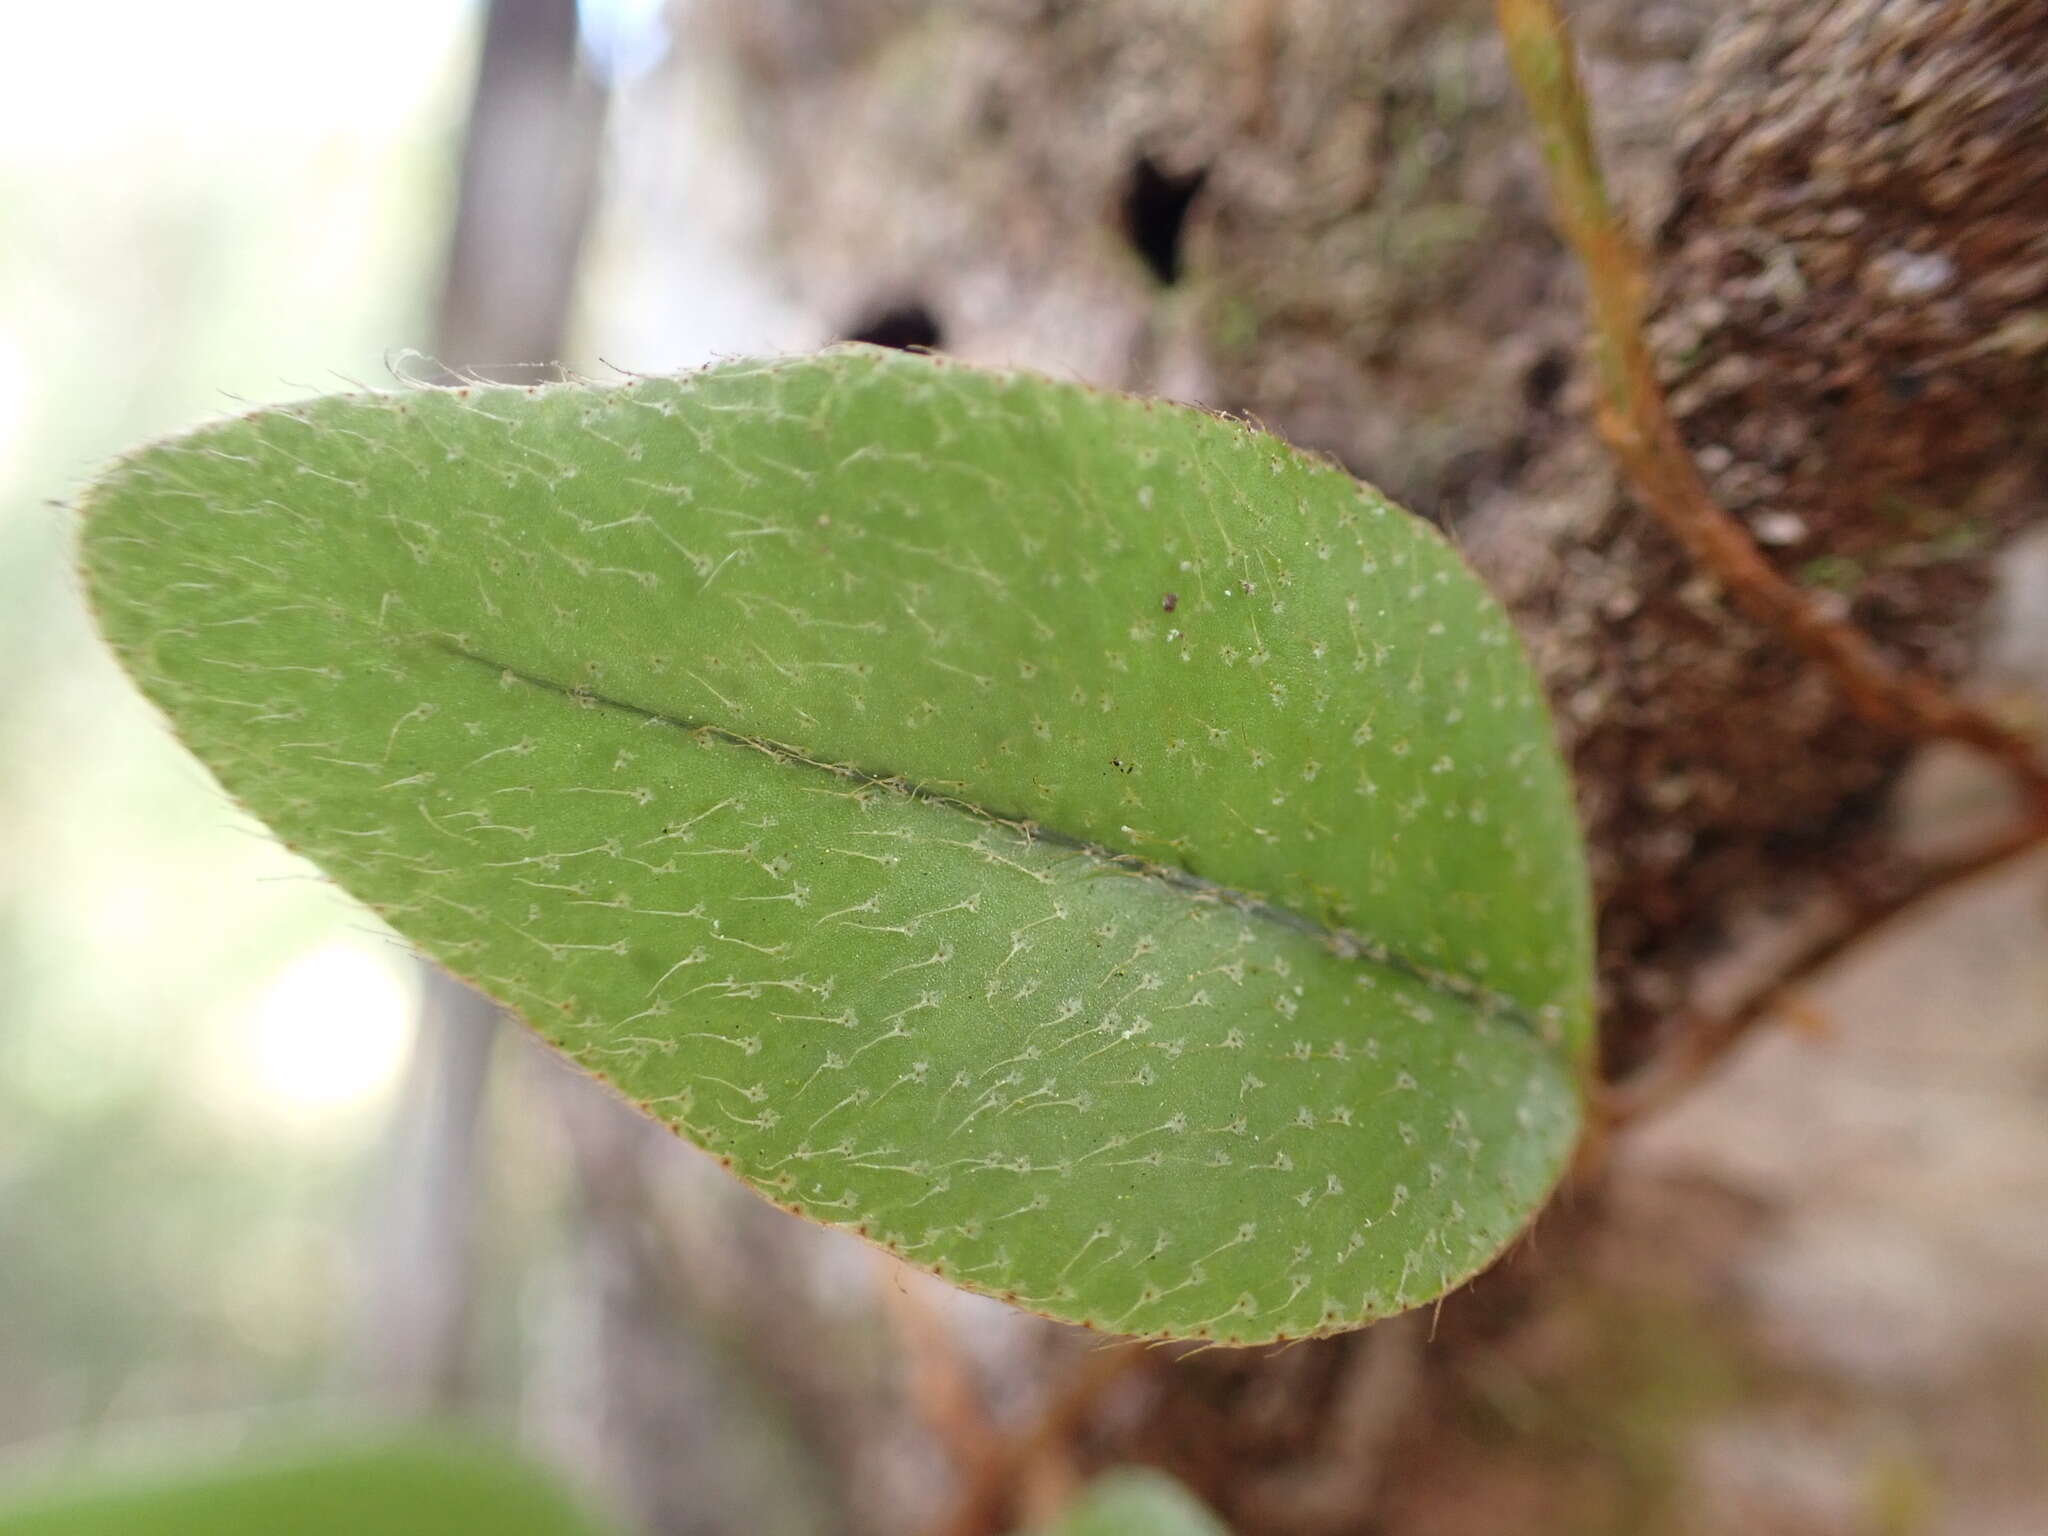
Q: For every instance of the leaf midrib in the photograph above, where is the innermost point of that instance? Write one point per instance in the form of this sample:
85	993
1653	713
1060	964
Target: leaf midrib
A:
1343	943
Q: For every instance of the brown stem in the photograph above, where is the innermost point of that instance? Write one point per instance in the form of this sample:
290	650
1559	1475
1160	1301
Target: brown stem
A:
1638	427
1257	48
937	1379
984	1503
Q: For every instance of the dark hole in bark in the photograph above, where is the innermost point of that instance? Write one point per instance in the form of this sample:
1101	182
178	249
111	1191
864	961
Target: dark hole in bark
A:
1544	379
903	326
1155	212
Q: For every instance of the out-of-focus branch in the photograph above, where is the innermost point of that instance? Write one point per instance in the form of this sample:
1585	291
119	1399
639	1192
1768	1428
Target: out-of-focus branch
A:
1335	1490
1705	1042
1258	47
937	1377
984	1505
528	185
1637	424
413	1354
529	169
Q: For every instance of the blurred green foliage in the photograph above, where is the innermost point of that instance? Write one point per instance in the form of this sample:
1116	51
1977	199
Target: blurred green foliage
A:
1132	1502
427	1486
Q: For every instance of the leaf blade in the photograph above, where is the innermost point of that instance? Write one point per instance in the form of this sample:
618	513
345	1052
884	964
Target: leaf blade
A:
939	793
1133	1501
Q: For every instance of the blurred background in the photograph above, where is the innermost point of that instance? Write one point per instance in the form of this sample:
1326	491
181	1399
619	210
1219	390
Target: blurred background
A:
237	1180
259	1168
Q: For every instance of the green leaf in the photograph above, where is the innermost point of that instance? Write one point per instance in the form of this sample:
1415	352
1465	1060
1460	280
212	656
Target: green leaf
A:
1130	1502
430	1486
1079	843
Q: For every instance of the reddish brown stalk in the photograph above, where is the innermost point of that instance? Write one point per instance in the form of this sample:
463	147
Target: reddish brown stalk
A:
983	1506
1257	49
1637	425
937	1378
1707	1042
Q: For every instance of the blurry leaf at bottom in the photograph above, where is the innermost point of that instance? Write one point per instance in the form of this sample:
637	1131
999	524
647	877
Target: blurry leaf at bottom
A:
431	1486
1137	1503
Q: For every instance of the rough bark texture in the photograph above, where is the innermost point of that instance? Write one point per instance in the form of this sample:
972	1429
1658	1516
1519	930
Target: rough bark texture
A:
1328	215
1852	278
